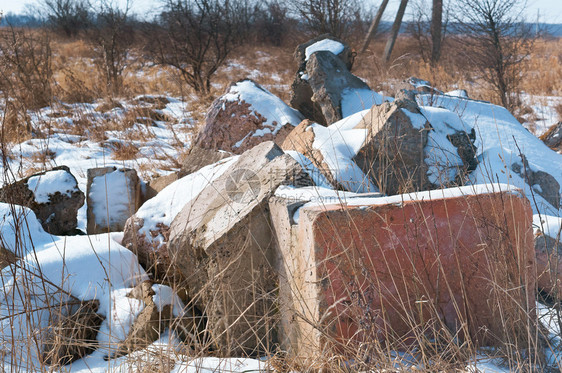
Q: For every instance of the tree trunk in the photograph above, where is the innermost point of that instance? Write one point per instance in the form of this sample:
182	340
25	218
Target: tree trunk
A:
374	26
436	26
394	31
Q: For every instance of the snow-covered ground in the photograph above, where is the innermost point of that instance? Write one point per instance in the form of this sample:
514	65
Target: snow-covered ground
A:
544	112
157	145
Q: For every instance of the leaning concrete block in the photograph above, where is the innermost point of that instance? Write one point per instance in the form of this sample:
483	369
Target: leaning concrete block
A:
220	246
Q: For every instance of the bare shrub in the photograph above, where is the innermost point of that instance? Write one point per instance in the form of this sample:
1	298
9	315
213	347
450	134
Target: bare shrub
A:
68	17
496	42
326	16
112	36
195	37
272	23
429	30
26	66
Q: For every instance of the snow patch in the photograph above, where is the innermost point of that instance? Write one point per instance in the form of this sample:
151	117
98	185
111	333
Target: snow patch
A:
339	144
43	186
442	159
20	231
458	93
549	225
430	195
499	138
85	267
316	195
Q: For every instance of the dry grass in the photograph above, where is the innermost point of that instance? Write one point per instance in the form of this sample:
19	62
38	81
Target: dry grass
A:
76	80
542	73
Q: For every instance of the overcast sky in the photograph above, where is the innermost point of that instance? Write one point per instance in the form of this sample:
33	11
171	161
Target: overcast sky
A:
549	10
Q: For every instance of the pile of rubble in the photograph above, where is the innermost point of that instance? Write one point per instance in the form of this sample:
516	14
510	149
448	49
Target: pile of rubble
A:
347	219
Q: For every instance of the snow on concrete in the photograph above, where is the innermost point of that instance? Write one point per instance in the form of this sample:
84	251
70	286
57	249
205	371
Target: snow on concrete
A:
417	120
316	195
113	197
324	45
376	200
419	83
499	140
263	102
441	156
164	207
457	93
356	100
339	143
442	159
549	225
51	182
165	296
444	120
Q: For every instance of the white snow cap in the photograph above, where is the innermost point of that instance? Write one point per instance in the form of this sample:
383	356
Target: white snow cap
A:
51	182
324	45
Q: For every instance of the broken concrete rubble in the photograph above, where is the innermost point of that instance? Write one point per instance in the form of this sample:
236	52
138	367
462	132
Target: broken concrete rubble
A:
541	182
548	253
330	80
72	331
53	196
301	91
553	137
113	195
393	153
221	247
198	157
324	89
246	115
408	265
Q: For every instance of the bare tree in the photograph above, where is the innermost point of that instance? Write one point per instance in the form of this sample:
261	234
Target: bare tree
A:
429	29
195	37
272	24
394	31
496	42
374	26
326	16
67	16
436	28
112	36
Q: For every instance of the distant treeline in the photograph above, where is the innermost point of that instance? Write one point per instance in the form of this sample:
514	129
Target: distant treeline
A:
20	20
546	29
